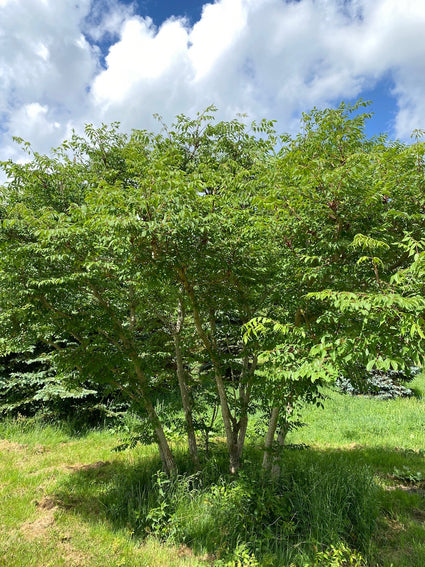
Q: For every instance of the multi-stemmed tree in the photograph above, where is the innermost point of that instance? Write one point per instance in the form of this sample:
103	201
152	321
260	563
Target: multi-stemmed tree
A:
216	262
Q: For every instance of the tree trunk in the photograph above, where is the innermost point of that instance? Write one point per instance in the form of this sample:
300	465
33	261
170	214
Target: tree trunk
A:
247	379
228	421
276	458
234	458
268	442
229	425
243	426
187	406
167	458
271	456
129	350
164	449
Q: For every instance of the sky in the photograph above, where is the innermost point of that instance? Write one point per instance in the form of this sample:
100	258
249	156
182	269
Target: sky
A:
65	63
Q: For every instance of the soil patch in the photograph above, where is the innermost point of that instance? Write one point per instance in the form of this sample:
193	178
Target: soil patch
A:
37	528
46	503
406	488
11	446
73	556
90	467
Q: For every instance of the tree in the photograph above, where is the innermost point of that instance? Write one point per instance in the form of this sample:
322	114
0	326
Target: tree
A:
142	259
147	237
351	212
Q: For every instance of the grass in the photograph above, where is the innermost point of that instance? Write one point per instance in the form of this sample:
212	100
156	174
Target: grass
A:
67	499
366	421
389	436
41	526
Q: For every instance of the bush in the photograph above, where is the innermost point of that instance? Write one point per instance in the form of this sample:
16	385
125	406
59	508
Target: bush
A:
338	556
383	385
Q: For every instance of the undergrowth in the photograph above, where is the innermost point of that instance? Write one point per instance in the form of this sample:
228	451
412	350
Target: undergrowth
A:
317	502
350	492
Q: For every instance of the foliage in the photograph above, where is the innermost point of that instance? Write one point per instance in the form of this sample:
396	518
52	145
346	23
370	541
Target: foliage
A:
30	385
315	499
384	385
144	230
218	264
407	475
338	556
241	557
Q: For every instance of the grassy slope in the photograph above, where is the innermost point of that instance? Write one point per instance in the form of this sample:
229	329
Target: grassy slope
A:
52	486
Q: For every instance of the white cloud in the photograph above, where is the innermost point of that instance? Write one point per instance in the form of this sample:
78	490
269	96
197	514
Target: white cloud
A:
142	55
216	34
269	58
401	48
265	57
106	18
36	120
44	59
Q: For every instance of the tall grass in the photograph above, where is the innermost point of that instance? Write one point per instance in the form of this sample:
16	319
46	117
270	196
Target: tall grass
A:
32	430
318	501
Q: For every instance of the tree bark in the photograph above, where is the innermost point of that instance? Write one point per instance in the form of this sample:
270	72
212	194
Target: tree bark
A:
128	348
268	442
167	458
229	426
229	422
271	457
276	458
245	396
187	405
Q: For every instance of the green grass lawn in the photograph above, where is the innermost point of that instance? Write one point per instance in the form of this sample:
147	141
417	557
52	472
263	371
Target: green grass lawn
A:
41	527
69	500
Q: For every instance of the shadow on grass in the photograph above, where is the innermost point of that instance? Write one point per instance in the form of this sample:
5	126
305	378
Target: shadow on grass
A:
322	498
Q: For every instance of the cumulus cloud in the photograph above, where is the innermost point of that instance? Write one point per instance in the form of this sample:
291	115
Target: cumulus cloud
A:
153	55
66	63
106	18
46	65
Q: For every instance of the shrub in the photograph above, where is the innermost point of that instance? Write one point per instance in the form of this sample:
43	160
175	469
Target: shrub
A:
383	385
338	556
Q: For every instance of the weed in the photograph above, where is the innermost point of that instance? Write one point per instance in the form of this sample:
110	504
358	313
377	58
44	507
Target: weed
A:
338	556
405	474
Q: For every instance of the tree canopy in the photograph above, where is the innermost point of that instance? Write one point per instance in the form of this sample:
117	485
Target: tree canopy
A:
220	262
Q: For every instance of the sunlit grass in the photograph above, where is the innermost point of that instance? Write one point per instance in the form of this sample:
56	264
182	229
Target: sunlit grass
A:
39	528
66	498
388	435
349	420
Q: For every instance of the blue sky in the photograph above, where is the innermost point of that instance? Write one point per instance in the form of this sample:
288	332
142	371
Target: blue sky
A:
383	105
160	10
64	64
